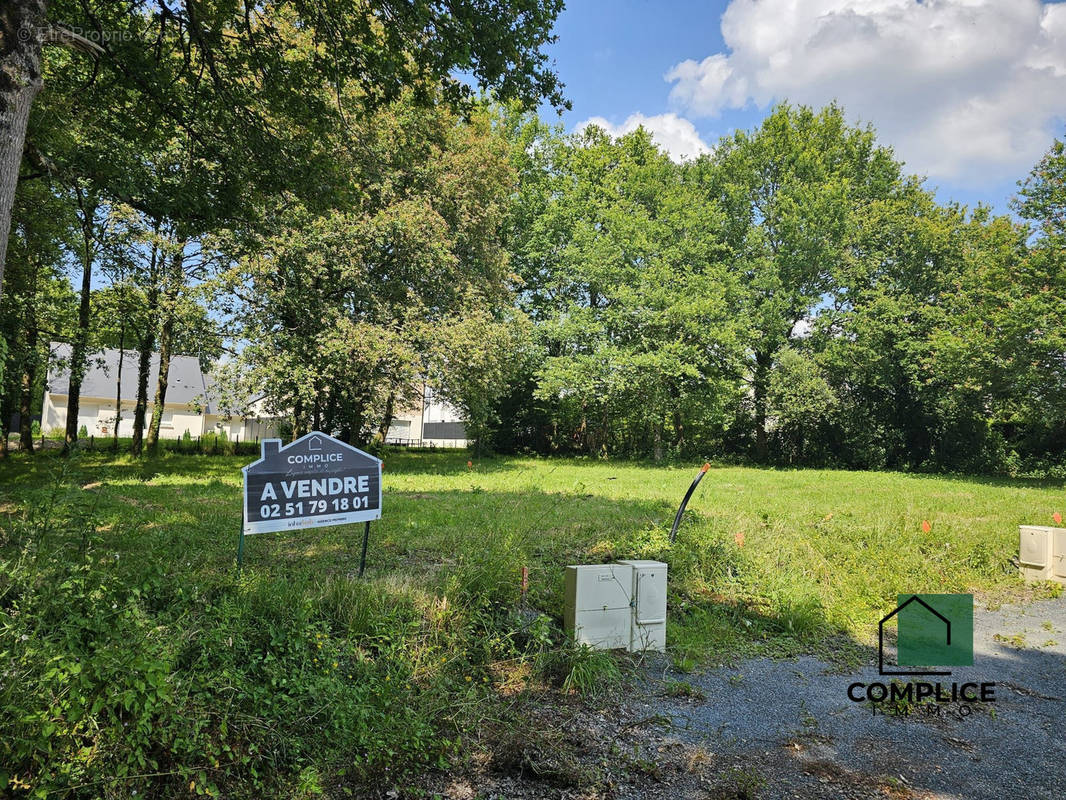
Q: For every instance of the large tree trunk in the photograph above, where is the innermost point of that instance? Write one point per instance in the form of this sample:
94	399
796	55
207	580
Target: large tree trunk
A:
386	421
353	431
5	423
174	283
22	29
166	341
144	368
29	366
79	352
146	348
299	420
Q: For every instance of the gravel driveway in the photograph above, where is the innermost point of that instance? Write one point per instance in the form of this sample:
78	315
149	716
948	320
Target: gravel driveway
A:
764	729
789	730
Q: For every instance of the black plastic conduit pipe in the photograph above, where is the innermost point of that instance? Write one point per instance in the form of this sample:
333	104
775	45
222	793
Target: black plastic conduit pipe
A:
688	494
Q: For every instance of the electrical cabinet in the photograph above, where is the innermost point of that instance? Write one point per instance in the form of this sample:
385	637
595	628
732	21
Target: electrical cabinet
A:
598	605
648	631
1034	552
621	605
1058	554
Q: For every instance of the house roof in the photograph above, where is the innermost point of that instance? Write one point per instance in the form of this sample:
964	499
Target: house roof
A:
186	381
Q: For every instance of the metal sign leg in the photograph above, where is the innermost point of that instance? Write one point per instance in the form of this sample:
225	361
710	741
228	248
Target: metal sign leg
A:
240	543
362	558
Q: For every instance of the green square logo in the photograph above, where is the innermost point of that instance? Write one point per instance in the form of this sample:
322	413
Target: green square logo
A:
935	630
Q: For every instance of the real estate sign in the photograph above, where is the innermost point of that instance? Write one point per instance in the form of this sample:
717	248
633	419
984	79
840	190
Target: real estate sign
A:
313	482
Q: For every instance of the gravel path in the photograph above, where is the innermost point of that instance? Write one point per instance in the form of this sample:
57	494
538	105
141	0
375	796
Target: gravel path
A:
767	729
790	731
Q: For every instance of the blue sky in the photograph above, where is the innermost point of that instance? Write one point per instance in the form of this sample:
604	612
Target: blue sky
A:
968	92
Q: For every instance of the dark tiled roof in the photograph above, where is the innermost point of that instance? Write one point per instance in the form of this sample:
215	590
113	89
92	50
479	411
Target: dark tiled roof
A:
187	382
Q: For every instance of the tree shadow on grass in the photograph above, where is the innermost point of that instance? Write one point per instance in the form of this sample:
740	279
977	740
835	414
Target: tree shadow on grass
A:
1001	481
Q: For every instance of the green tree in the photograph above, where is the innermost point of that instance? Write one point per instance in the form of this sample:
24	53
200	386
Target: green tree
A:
622	266
1037	319
39	306
225	72
344	312
473	361
793	193
802	406
872	334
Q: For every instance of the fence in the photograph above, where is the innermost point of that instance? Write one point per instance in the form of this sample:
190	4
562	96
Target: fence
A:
426	443
196	445
211	444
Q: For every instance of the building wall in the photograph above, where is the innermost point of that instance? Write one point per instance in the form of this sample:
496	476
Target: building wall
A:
98	417
243	430
431	423
52	417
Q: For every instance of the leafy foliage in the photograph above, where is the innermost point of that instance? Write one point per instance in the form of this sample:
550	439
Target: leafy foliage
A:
622	269
348	313
791	297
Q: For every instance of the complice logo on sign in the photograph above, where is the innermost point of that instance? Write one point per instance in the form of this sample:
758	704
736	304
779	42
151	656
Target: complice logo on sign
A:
933	631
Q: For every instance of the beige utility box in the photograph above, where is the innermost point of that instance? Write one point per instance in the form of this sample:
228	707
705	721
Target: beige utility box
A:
598	611
649	606
1058	554
621	605
1042	553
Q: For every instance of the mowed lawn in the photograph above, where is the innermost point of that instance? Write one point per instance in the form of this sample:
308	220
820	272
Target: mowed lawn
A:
777	561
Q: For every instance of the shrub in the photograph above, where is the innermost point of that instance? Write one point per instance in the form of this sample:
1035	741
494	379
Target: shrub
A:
579	669
216	443
136	678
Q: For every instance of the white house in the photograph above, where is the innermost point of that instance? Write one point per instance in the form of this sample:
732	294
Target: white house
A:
429	423
191	403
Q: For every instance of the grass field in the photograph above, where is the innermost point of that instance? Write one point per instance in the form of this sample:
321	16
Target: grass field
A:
144	660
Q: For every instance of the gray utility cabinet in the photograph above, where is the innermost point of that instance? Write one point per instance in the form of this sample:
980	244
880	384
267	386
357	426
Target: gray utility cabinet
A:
623	605
1042	553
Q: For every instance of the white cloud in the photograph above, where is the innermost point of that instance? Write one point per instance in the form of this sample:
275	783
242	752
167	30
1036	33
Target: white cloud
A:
969	90
674	134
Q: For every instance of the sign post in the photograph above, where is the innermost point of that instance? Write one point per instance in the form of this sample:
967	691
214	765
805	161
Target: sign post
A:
314	482
362	558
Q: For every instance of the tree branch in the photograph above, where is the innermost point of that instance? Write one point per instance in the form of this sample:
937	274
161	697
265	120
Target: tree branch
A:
57	34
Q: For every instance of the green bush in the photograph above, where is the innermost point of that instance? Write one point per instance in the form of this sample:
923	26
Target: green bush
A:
83	432
133	679
216	442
